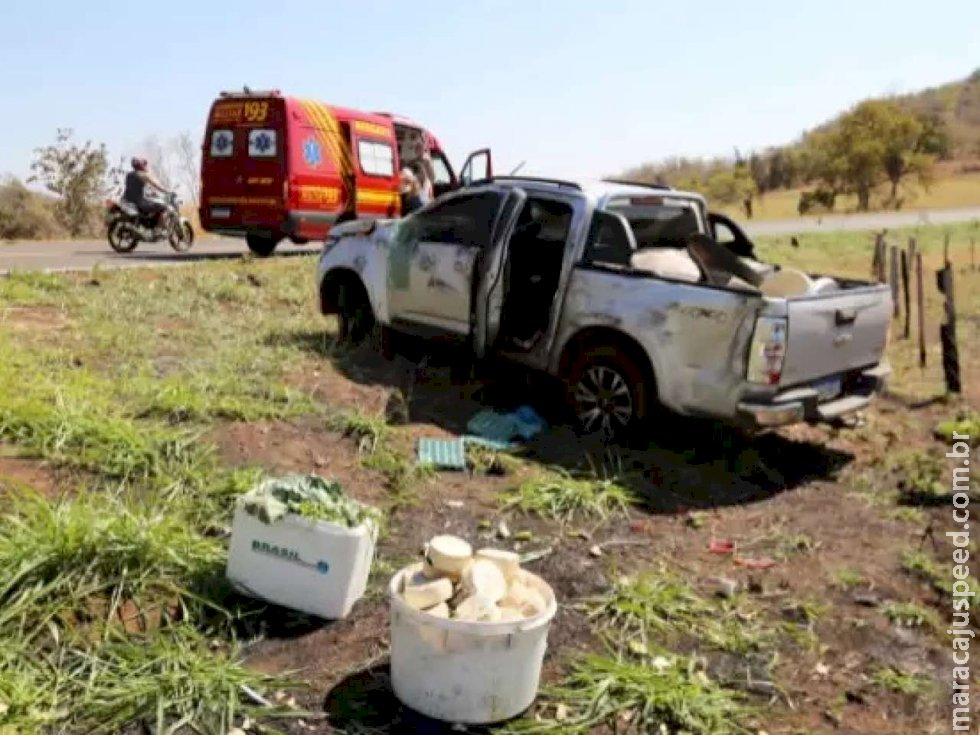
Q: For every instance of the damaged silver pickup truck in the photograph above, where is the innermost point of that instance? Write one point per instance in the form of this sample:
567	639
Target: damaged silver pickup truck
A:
634	296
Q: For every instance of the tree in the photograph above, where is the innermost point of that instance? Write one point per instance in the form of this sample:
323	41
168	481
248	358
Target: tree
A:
732	186
876	141
759	169
935	139
175	162
77	174
188	161
160	159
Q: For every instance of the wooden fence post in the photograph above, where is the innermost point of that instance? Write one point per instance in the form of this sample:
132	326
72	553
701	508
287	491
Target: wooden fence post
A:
947	331
878	259
906	298
893	278
921	308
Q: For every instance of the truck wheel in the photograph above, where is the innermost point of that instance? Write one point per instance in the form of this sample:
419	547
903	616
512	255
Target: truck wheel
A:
607	393
356	316
261	246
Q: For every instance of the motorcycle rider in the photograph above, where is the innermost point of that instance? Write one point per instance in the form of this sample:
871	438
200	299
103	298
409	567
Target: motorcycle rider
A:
134	191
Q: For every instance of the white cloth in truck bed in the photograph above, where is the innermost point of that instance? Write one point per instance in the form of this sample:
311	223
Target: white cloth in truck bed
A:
667	263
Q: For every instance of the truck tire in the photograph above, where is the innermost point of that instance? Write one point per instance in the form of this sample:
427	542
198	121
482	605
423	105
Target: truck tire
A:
261	246
607	393
356	316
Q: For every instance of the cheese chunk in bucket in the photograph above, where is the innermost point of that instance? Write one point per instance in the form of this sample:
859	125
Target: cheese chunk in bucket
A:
422	592
508	562
449	554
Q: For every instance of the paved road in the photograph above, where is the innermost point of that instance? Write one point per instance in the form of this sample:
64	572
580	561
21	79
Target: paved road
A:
871	221
86	255
59	256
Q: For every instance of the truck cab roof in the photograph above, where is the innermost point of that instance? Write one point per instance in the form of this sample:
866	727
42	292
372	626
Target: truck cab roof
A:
599	192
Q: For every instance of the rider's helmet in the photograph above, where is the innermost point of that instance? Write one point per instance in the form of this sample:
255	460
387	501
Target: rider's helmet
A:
139	164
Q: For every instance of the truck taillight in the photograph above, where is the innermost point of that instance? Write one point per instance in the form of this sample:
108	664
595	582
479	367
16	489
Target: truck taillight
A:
767	351
285	191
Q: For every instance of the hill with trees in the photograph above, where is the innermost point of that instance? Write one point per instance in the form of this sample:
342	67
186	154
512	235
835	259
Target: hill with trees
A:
879	153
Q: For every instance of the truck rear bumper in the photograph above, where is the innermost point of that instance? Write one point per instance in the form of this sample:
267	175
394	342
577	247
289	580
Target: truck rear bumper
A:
797	405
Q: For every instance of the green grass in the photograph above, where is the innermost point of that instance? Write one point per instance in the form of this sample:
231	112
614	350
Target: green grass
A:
965	423
848	578
660	604
167	680
75	571
667	694
31	288
370	432
114	610
482	460
909	515
924	567
910	615
895	679
560	496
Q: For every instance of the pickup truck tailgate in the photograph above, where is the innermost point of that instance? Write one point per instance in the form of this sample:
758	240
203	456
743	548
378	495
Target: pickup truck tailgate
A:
835	332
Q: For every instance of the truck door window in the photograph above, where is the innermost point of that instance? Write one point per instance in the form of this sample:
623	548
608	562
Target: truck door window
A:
465	221
660	225
608	243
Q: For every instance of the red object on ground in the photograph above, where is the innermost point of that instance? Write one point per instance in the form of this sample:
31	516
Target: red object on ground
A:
721	547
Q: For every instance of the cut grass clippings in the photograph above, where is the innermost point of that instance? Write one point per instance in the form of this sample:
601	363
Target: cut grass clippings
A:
659	605
563	497
73	657
642	695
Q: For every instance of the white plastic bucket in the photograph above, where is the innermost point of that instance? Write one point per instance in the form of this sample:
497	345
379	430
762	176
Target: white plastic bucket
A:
315	567
466	672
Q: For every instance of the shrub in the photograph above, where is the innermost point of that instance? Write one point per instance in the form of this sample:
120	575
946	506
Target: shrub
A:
26	215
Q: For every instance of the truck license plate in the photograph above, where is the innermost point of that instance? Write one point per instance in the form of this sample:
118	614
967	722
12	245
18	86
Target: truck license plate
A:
828	388
220	213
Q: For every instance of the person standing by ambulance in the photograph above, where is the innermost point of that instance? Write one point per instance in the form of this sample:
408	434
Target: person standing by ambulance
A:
410	191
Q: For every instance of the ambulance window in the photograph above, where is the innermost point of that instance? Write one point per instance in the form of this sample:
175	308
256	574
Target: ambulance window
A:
377	159
222	143
262	143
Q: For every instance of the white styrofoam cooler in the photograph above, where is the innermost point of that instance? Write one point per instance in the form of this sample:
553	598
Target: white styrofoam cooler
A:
466	672
315	567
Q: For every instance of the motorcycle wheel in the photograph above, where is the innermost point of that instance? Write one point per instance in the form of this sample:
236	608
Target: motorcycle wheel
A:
120	237
182	237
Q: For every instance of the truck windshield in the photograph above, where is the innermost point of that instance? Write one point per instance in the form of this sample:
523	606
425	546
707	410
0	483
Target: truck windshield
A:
666	223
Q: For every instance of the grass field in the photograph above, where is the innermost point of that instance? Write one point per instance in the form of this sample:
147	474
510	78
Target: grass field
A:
135	405
960	190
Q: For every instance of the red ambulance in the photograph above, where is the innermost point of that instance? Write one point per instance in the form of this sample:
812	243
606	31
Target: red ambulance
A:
275	167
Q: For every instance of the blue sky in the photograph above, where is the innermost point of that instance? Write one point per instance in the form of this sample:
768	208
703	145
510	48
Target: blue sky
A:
574	88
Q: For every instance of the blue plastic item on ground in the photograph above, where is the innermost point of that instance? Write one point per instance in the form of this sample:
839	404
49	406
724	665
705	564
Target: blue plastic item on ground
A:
529	422
448	454
524	423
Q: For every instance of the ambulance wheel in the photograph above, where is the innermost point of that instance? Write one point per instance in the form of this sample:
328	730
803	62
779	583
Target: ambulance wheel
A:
261	246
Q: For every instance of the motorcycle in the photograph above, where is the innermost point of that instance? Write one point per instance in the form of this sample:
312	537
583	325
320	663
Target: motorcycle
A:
127	227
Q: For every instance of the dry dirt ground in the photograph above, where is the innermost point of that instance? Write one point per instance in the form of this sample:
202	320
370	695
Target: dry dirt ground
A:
788	496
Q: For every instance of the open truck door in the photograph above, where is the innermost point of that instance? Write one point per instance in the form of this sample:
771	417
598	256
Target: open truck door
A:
492	275
478	166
